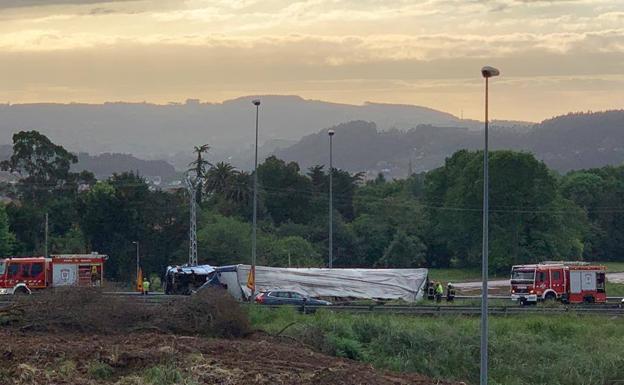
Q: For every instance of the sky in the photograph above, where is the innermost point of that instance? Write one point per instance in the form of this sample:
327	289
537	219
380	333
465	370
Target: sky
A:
555	56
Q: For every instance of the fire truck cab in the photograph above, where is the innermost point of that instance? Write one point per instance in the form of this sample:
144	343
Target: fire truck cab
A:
569	282
24	275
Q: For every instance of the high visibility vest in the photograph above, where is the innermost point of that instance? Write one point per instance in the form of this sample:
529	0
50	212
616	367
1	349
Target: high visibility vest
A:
146	285
439	289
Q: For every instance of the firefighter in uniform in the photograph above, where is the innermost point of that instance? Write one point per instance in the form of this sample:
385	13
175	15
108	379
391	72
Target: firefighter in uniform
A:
146	286
430	290
450	292
439	291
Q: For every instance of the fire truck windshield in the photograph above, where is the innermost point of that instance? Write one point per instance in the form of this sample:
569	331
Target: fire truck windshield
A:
523	275
1	267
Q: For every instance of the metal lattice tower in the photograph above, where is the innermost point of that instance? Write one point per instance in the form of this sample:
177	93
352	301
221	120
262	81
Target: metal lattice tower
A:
191	186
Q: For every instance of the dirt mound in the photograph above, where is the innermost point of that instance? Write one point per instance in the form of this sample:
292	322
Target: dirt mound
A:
210	313
157	359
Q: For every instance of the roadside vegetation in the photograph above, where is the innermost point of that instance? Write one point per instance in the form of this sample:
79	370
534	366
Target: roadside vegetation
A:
554	350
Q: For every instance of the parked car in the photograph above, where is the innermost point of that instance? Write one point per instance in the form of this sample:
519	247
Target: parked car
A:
282	297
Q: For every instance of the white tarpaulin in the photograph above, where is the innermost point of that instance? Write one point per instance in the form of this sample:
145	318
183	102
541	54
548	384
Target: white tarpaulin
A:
403	284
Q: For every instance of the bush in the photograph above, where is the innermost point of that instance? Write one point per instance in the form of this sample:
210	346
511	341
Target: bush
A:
163	375
99	370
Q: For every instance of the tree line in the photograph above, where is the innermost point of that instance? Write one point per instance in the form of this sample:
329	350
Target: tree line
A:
428	219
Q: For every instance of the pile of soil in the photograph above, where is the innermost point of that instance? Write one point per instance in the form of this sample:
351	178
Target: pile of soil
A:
29	358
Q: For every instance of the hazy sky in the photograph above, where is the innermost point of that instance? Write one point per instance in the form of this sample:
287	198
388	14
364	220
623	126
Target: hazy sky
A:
555	56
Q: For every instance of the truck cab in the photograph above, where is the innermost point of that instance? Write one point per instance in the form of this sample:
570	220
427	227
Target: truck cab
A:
523	284
571	282
22	275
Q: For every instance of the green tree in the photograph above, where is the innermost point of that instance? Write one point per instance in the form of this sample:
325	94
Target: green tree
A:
7	239
71	242
223	240
529	220
292	251
600	193
113	216
287	193
43	167
219	177
404	251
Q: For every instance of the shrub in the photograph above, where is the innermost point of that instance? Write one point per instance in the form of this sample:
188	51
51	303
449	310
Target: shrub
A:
99	370
163	375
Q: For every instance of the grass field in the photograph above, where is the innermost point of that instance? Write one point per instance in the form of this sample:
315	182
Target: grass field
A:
554	350
614	267
615	289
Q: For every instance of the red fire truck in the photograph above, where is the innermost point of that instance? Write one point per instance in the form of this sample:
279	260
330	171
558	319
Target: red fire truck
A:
24	275
569	282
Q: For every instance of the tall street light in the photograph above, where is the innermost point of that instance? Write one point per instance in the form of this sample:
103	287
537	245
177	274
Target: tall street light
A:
487	73
331	199
138	265
256	102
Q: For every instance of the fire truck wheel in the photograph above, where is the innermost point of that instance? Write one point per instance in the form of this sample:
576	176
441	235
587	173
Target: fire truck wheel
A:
550	297
21	291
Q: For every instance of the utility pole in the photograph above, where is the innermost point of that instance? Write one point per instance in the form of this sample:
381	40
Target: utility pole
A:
256	102
331	199
45	252
138	264
487	73
191	185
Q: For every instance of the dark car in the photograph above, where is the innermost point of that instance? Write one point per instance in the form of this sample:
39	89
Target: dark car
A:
282	297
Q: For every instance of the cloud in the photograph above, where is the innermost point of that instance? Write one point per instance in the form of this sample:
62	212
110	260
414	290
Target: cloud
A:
394	50
6	4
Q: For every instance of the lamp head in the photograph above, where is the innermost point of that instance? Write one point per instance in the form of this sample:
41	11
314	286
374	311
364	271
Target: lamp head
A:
489	72
331	132
256	102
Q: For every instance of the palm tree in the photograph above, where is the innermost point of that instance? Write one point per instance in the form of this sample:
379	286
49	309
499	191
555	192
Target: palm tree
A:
199	166
219	177
239	188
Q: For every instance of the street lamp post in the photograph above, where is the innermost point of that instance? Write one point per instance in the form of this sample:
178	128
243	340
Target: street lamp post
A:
256	102
138	266
487	73
331	199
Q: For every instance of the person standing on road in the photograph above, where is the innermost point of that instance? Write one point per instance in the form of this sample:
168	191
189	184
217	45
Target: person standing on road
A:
439	291
450	292
146	286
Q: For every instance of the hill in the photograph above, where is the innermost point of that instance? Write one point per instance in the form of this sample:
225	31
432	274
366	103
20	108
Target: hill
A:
573	141
105	165
170	131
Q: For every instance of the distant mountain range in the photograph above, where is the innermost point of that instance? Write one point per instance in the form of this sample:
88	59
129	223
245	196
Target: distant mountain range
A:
371	137
573	141
169	132
105	165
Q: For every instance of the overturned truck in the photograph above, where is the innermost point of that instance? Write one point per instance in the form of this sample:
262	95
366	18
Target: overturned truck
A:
187	279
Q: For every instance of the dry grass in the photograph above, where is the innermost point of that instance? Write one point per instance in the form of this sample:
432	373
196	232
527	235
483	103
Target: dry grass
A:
211	313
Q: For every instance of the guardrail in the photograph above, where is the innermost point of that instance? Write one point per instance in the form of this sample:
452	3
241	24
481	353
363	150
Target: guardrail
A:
612	308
